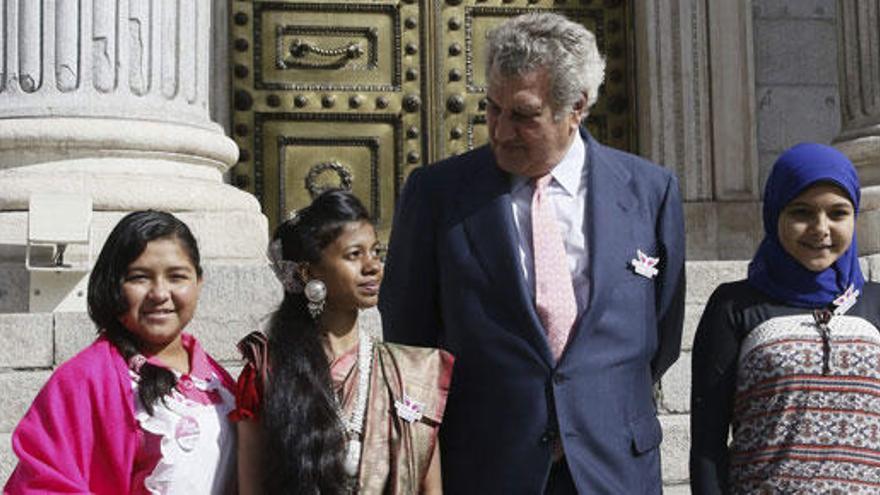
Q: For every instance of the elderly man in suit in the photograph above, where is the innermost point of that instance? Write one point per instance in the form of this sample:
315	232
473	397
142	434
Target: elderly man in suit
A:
552	267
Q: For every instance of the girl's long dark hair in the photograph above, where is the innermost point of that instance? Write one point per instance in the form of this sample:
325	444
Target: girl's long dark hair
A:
305	437
106	304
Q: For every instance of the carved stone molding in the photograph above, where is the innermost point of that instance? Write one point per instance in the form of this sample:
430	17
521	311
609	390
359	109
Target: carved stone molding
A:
133	59
858	42
732	85
858	45
673	91
696	95
696	114
109	98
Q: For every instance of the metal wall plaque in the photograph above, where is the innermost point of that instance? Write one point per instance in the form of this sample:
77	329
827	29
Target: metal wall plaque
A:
356	94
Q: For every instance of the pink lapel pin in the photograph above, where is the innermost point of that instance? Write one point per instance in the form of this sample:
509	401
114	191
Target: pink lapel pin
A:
846	300
186	433
409	410
645	265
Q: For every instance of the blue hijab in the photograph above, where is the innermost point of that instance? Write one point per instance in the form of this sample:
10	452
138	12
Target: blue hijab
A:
772	270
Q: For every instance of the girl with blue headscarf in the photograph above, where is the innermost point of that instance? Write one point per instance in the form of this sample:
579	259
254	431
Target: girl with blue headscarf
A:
787	362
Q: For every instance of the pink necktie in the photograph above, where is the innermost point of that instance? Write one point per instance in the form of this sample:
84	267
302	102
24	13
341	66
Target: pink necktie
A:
554	292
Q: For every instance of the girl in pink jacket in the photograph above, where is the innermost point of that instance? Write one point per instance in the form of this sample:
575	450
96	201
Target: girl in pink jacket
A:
143	409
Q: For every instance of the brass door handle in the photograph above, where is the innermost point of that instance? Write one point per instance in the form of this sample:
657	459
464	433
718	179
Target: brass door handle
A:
300	48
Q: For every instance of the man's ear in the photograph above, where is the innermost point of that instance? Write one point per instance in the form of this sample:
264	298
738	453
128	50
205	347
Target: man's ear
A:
579	109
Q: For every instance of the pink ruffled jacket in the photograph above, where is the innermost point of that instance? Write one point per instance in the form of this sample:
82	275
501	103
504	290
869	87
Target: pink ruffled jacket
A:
80	434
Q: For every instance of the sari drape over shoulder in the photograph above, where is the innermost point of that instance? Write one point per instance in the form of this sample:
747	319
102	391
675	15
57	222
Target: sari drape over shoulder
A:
406	400
397	452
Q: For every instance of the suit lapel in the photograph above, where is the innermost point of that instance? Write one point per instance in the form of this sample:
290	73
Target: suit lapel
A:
490	229
488	224
610	201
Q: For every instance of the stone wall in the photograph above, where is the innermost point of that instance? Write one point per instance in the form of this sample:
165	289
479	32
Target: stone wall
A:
702	278
795	75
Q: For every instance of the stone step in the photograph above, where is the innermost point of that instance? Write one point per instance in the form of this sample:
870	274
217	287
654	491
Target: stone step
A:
674	399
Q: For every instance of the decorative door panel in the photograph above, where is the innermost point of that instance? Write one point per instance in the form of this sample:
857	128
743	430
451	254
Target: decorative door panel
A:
327	47
327	94
304	154
356	94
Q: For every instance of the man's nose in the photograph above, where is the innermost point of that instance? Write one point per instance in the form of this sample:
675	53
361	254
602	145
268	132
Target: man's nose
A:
503	129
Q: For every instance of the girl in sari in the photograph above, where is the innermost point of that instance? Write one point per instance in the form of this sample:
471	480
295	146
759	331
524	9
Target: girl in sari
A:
323	407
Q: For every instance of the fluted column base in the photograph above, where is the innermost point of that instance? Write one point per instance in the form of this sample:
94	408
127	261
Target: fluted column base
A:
124	165
862	146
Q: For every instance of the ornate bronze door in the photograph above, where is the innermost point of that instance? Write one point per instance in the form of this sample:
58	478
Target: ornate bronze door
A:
356	94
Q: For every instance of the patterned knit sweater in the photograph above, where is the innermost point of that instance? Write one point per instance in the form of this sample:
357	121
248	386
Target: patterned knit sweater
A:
802	404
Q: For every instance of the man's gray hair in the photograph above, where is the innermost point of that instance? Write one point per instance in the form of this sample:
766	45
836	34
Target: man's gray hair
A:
545	40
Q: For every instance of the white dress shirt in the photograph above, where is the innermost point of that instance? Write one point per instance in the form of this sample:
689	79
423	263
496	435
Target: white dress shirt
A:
568	193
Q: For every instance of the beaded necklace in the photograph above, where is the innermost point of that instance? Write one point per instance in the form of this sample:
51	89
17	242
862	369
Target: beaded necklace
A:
354	426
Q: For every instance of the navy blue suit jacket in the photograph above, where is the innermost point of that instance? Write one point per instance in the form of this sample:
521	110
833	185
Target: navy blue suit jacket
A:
452	280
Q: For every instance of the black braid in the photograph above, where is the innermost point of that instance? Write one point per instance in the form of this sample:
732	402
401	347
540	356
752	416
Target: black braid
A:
155	382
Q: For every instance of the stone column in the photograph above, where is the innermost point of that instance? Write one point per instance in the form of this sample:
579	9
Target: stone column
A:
695	80
110	98
858	42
